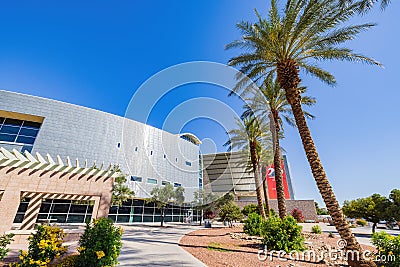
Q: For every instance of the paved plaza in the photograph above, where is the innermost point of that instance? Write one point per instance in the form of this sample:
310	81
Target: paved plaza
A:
151	245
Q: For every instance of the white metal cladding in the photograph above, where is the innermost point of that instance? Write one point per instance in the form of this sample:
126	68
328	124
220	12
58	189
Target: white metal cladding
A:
92	135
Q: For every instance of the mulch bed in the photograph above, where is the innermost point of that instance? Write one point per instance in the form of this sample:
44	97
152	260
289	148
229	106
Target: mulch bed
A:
217	247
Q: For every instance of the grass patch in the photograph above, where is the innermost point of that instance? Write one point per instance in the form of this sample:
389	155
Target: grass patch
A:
217	247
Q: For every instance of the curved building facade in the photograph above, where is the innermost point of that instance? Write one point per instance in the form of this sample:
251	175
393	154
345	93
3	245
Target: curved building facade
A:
151	157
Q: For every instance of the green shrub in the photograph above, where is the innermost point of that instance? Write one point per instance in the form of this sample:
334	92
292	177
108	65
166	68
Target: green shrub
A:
316	229
44	246
230	212
361	222
298	215
5	240
331	235
388	247
284	234
69	261
251	208
254	224
100	244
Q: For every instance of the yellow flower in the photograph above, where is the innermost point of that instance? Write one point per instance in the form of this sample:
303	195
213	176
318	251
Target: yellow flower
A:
100	254
80	249
390	253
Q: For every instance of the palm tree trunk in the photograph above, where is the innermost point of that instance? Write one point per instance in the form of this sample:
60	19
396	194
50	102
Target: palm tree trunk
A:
288	77
280	191
254	162
266	197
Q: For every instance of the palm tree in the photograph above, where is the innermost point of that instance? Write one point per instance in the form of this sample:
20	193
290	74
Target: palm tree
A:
282	44
250	138
366	5
274	97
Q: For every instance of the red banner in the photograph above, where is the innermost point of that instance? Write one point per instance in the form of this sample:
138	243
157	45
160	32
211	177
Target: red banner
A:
272	184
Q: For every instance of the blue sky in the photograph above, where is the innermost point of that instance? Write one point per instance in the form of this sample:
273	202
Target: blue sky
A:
96	54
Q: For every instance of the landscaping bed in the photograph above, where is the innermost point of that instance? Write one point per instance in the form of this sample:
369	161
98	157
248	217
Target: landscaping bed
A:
231	247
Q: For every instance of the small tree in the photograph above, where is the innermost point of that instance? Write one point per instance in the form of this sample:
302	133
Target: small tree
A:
202	202
298	215
319	210
230	212
121	192
251	208
162	196
373	209
5	240
100	244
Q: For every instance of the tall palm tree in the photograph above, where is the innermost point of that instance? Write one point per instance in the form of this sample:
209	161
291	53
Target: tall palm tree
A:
282	44
366	5
279	109
250	137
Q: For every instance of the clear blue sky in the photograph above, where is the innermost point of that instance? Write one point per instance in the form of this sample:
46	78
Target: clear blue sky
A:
96	54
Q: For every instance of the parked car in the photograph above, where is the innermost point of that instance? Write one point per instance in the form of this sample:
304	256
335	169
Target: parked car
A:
381	224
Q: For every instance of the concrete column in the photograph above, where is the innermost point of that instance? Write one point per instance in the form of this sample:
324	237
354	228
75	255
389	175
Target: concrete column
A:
104	206
32	212
95	207
8	209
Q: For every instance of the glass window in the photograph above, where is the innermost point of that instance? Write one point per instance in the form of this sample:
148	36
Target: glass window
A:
138	202
25	139
165	182
62	218
113	209
27	148
78	208
124	210
13	122
136	149
17	131
136	179
152	181
177	184
61	208
147	218
137	218
188	163
19	217
137	210
148	210
29	132
23	206
76	218
32	124
123	218
7	137
44	208
9	129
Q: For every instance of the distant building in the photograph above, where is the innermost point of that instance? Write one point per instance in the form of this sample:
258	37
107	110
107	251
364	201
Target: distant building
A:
228	172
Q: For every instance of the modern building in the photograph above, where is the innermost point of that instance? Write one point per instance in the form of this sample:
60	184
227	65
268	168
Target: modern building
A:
149	156
228	172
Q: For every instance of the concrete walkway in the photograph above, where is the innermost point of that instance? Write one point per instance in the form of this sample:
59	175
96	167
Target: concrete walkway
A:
362	234
151	245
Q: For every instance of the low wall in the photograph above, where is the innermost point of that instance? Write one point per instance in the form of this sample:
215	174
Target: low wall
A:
306	206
